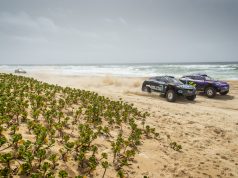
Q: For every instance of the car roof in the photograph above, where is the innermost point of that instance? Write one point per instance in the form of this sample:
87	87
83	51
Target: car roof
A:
160	77
196	74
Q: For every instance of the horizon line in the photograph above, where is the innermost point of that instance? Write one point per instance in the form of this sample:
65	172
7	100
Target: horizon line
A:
136	63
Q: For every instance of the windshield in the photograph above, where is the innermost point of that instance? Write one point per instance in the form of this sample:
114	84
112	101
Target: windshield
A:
173	80
208	78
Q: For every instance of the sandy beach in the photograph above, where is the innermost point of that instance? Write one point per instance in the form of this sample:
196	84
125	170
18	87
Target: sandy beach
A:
71	99
206	128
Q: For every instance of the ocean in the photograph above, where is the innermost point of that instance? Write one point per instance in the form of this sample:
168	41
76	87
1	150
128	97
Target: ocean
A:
228	71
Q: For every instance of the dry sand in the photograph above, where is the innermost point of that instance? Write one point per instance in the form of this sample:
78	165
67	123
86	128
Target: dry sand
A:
206	128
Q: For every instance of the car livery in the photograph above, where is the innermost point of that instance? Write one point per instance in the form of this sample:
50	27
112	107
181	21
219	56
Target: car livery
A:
169	86
206	84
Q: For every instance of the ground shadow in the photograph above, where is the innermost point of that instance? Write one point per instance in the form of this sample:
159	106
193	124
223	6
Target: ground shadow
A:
179	100
218	96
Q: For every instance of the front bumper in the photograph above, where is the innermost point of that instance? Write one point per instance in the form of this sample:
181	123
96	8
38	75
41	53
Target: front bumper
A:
185	92
223	88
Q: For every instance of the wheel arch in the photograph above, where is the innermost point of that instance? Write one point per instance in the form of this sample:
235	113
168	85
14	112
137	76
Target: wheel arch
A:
170	87
211	85
145	83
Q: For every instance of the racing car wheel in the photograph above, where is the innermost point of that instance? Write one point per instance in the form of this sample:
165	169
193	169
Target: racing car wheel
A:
210	92
171	95
146	89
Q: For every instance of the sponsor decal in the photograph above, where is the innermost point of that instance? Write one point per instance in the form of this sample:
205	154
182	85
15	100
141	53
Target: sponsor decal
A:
192	83
159	88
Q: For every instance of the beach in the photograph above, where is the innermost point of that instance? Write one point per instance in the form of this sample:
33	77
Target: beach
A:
207	129
119	89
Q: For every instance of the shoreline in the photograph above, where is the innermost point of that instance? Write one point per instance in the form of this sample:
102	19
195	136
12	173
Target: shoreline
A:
50	74
220	71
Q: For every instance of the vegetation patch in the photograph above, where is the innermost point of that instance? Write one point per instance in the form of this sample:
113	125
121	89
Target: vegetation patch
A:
44	128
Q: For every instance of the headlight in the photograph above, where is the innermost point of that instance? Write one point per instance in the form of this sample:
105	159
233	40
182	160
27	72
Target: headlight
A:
180	91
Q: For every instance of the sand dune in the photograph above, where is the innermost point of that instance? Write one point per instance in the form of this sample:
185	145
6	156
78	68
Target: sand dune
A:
206	128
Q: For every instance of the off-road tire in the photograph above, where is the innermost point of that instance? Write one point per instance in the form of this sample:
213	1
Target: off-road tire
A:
146	89
171	96
224	93
210	92
191	98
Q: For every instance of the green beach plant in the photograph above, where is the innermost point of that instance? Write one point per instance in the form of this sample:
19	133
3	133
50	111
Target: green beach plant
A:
43	126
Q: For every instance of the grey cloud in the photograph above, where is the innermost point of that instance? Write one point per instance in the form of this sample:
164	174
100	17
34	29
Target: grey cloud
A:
112	31
23	24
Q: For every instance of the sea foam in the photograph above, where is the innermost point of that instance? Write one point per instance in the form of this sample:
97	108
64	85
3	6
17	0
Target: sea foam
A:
227	71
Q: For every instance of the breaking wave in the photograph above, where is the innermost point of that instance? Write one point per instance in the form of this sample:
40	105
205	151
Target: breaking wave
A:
216	70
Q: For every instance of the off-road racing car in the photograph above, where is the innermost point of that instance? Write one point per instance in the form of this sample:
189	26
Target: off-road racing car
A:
206	84
170	87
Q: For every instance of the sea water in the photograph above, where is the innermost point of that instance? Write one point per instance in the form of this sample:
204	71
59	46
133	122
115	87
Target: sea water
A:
228	71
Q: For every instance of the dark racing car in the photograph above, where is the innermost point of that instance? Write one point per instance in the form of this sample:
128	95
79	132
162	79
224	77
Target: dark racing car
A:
206	84
169	86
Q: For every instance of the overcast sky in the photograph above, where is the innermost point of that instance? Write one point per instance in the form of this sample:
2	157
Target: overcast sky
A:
118	31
